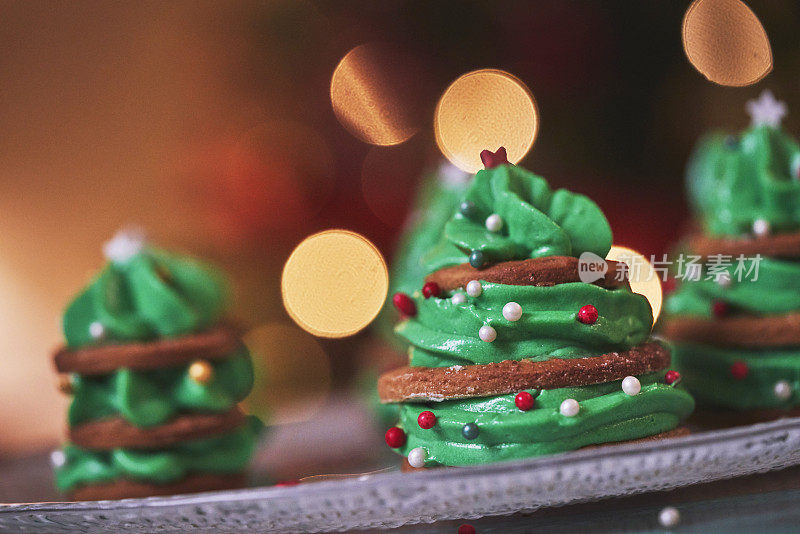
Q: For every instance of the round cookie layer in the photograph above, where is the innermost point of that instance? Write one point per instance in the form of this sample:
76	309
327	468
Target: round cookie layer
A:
546	271
741	331
115	432
217	343
778	245
419	384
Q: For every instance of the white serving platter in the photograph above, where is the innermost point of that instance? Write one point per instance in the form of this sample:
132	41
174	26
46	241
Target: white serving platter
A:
393	499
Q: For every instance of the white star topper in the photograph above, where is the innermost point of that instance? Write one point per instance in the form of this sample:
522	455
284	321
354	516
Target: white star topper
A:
766	110
125	244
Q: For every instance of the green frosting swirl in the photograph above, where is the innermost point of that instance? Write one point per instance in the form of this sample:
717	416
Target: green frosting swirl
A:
154	397
606	415
444	333
733	182
707	371
773	292
153	294
223	454
537	221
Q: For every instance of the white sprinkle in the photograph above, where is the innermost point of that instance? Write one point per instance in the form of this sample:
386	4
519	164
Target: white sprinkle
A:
631	385
487	333
512	311
494	223
569	408
459	298
761	227
669	517
724	280
455	367
58	458
474	288
126	244
96	330
783	390
417	457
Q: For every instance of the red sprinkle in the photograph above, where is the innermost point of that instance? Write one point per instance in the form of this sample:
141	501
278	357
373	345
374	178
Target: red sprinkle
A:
491	159
466	528
739	370
719	309
431	289
426	419
404	304
395	437
287	483
588	314
672	377
524	401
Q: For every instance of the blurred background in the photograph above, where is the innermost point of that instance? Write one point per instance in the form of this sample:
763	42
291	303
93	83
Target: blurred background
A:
211	125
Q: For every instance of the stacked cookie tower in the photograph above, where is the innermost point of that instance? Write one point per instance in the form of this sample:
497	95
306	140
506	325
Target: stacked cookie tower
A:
155	379
736	323
511	354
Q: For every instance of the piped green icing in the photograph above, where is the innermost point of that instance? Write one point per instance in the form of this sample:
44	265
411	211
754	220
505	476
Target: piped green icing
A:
708	371
144	294
774	291
153	397
537	221
733	181
153	294
607	414
223	454
444	333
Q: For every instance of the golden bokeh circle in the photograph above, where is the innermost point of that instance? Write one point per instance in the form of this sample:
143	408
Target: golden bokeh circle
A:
726	43
643	277
372	95
334	283
484	110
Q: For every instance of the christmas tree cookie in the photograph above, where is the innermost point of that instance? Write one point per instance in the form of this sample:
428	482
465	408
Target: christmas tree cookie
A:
736	323
155	379
511	354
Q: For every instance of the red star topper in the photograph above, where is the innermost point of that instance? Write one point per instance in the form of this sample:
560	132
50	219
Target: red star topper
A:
493	159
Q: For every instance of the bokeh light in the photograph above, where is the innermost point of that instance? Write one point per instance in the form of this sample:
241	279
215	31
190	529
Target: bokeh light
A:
374	94
334	283
292	373
726	43
643	277
485	109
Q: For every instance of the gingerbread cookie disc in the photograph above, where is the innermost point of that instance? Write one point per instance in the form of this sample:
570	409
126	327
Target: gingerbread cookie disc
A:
214	344
130	489
115	432
548	271
421	384
778	245
741	331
